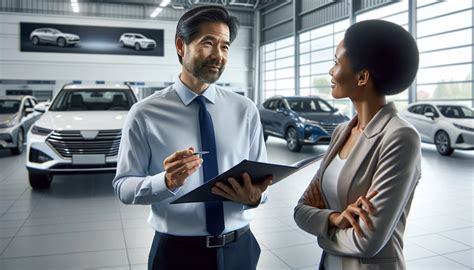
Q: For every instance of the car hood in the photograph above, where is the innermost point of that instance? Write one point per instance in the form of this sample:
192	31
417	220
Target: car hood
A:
5	118
67	35
90	120
147	40
464	122
324	118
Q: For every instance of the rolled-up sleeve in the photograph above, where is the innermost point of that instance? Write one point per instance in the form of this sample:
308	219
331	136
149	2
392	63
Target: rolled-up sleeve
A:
132	182
395	178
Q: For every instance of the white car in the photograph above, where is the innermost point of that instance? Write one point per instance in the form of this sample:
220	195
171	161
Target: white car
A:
80	132
138	41
53	36
16	117
448	126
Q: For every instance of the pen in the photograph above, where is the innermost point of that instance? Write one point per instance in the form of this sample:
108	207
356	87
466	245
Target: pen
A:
200	153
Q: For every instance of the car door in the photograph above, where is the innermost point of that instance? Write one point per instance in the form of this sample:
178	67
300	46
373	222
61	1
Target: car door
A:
280	117
49	36
427	125
28	117
266	115
35	114
416	118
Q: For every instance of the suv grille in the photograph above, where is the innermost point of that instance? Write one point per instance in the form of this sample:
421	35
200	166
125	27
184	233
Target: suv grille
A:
71	142
329	128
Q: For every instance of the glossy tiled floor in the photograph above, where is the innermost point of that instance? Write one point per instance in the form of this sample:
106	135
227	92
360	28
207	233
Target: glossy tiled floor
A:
78	224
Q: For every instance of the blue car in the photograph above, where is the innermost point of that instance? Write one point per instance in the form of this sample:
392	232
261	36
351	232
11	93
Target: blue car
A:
300	120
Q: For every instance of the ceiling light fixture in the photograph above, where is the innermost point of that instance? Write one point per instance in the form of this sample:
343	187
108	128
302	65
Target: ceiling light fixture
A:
164	3
75	6
177	6
156	12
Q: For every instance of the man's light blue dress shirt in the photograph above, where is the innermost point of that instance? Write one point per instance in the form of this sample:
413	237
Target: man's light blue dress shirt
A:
167	121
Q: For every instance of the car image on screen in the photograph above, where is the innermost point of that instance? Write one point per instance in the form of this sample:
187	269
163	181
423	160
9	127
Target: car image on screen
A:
137	41
53	36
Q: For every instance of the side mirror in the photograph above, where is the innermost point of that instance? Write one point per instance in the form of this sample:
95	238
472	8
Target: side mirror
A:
280	110
41	108
429	115
29	110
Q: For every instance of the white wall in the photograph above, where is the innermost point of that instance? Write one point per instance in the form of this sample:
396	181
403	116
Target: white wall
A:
152	70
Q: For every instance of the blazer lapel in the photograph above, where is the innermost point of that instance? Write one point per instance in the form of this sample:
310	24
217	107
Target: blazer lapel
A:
337	145
361	150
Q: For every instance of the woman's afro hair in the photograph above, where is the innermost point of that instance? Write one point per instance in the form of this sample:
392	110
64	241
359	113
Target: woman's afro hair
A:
386	50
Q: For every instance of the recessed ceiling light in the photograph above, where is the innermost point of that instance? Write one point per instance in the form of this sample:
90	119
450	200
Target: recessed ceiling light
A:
156	12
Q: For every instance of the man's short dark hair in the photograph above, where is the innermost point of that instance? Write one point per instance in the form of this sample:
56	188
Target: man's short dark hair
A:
188	24
386	50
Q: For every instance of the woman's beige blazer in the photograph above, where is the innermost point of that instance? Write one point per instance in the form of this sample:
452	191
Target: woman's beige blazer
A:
386	158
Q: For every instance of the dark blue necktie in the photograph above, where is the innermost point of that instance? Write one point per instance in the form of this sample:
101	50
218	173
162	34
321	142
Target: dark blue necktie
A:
214	210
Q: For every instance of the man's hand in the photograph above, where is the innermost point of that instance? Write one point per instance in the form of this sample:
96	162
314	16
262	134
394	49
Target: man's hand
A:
179	166
248	193
313	196
349	217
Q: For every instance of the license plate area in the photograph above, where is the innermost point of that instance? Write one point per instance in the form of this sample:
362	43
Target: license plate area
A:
88	159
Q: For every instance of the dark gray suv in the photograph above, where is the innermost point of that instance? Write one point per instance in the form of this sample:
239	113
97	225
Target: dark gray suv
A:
300	120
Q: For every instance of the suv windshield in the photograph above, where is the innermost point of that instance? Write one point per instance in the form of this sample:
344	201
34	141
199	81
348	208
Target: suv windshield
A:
309	105
455	111
9	106
93	100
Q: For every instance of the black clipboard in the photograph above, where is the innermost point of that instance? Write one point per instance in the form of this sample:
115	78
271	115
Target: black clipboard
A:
258	171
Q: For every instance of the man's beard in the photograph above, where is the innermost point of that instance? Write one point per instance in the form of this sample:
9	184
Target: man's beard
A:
199	71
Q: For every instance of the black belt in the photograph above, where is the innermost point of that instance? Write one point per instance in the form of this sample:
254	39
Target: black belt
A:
210	241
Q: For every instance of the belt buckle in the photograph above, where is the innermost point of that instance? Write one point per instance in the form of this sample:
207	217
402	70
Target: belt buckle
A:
221	241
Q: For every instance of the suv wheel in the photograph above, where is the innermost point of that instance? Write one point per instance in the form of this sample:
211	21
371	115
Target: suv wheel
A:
443	144
20	143
137	46
35	40
292	141
121	43
40	181
61	42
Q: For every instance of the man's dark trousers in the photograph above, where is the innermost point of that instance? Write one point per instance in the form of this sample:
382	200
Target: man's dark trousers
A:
242	254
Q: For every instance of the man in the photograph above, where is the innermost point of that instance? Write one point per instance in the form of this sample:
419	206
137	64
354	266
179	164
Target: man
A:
157	164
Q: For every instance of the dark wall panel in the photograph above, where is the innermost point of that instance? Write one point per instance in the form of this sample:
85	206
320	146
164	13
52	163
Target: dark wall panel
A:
330	13
279	32
277	15
312	4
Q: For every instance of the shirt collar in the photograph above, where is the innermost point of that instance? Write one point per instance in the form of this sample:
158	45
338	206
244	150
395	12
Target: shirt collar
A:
187	95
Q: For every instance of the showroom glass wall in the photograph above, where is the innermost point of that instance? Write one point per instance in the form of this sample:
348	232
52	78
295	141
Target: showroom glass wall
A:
444	31
279	65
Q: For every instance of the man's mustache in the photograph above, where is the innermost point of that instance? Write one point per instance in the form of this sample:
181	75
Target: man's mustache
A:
212	63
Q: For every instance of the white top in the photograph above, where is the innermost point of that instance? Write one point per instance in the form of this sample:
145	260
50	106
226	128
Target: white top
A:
330	182
329	187
168	121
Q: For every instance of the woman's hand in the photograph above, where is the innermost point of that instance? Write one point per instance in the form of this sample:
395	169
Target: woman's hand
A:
313	196
349	217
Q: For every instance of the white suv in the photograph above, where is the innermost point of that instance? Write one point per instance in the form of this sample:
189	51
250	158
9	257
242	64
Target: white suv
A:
53	36
138	41
79	133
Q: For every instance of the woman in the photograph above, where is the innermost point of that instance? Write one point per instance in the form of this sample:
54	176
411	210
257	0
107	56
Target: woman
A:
358	202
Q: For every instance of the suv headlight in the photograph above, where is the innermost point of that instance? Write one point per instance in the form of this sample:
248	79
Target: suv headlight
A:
40	131
308	122
9	123
463	127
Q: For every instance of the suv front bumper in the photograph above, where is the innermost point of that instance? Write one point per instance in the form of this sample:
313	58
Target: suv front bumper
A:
54	163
